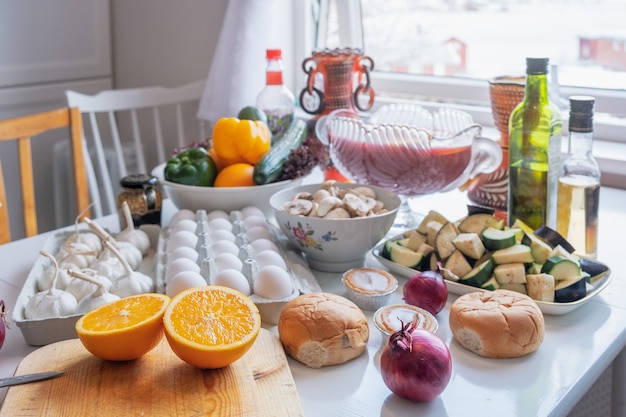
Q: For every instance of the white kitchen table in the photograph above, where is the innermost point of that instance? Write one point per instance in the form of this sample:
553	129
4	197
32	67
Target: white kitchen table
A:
578	346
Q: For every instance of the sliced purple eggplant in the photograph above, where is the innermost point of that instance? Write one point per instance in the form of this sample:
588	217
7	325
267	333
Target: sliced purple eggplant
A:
554	238
471	209
570	290
593	268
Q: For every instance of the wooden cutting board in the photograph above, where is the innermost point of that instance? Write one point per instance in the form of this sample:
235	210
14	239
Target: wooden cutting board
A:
157	384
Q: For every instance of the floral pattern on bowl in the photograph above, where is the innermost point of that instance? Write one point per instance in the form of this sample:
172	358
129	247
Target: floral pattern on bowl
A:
304	235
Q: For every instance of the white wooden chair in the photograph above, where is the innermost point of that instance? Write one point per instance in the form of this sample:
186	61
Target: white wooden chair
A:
142	126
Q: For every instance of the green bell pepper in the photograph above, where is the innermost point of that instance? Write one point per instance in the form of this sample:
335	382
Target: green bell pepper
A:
191	167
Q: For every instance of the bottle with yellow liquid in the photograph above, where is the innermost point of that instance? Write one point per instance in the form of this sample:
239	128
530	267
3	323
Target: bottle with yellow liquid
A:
579	184
535	127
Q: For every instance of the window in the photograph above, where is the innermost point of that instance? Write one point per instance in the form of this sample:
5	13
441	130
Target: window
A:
442	52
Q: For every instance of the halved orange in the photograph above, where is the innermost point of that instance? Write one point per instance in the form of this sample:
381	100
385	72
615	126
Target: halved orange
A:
211	326
124	329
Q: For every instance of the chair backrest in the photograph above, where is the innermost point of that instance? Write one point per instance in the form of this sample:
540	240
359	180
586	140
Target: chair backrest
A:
146	112
23	130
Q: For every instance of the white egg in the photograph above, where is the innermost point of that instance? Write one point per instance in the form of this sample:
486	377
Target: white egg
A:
224	246
258	232
273	282
182	252
220	224
182	214
182	281
259	245
222	234
184	224
251	211
181	238
232	279
180	265
252	221
227	260
217	214
269	257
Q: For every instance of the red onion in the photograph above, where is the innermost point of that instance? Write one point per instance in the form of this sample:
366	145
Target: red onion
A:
416	364
3	327
426	290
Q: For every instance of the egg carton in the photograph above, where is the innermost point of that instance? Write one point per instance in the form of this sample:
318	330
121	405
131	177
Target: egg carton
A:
39	332
239	249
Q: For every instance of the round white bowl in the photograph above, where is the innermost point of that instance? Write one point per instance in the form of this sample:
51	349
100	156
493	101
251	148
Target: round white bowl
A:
220	198
334	245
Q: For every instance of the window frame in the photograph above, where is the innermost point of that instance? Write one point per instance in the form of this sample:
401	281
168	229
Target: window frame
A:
471	95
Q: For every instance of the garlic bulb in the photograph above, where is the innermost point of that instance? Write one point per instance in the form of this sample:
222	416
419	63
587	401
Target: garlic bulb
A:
76	253
108	265
80	288
44	282
132	282
91	240
52	302
98	297
130	253
136	237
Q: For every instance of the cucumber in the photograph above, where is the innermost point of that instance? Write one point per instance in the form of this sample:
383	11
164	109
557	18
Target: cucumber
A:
495	239
480	274
404	242
561	268
490	285
269	168
404	256
516	253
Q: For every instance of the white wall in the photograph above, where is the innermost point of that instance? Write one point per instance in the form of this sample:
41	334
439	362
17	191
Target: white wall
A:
163	42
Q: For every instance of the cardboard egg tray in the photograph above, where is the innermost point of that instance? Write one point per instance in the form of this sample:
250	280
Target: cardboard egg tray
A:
39	332
302	280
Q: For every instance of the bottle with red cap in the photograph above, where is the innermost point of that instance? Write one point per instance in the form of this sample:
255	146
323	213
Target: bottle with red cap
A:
276	100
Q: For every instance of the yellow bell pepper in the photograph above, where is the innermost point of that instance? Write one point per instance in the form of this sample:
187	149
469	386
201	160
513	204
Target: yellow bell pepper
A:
237	140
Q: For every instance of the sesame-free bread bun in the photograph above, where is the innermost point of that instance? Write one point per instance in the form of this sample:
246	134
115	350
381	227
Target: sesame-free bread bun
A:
497	324
321	329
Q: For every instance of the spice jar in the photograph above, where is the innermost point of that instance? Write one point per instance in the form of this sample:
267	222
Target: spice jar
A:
142	192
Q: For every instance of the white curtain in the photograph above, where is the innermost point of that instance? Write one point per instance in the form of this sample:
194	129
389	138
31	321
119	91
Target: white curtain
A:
237	72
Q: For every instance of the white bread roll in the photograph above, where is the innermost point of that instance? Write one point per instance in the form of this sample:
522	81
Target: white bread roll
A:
497	324
321	329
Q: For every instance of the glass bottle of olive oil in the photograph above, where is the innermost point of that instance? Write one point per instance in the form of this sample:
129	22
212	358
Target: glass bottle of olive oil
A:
535	127
579	184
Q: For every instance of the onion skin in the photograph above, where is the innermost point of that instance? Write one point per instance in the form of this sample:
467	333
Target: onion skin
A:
416	364
426	290
3	327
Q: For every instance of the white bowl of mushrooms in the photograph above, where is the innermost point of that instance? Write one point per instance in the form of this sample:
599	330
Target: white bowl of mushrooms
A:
335	224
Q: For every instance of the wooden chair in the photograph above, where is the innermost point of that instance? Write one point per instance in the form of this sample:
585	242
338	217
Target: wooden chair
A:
148	113
21	130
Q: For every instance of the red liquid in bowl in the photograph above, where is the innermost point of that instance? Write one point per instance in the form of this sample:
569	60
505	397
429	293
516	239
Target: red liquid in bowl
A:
405	169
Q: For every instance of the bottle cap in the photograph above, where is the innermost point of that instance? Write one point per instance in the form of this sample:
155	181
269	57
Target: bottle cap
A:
581	113
537	66
139	181
273	54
